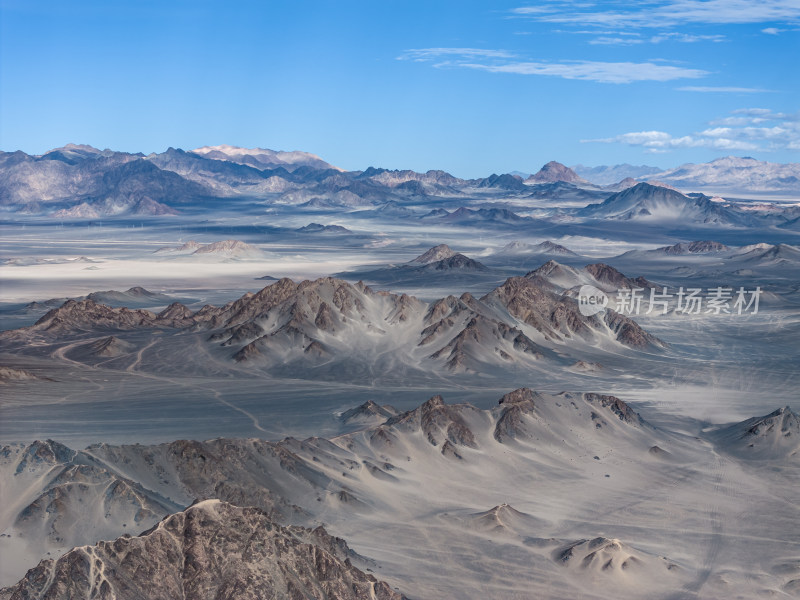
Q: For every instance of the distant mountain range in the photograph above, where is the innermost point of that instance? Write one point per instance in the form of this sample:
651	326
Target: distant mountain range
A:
728	174
605	175
260	157
81	182
733	173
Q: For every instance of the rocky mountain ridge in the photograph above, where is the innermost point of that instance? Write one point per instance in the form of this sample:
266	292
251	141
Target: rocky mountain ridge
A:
329	320
212	549
80	182
435	448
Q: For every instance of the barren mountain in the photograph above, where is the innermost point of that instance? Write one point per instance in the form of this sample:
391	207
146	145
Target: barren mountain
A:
561	191
504	519
369	413
607	175
558	318
624	184
435	254
186	248
457	262
768	254
87	315
262	157
775	436
505	182
331	326
700	247
612	559
62	497
396	178
211	550
108	347
553	172
11	374
464	215
610	278
730	173
401	493
319	228
55	498
439	261
735	173
222	177
546	247
80	182
93	184
560	278
133	296
646	202
229	248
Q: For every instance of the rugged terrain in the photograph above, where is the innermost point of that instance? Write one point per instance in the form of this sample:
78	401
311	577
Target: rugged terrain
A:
578	487
330	321
221	351
84	183
211	549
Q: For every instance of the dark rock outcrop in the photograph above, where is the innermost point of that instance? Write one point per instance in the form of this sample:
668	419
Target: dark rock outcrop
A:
210	550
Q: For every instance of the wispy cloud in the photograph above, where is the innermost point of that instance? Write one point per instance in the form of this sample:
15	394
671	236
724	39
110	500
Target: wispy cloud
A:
596	32
603	72
738	132
754	116
616	41
498	61
671	36
661	141
685	38
426	54
722	89
666	13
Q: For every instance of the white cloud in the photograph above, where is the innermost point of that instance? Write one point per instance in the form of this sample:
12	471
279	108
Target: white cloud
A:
764	113
602	72
616	41
596	32
731	11
686	38
772	30
730	133
533	10
660	141
657	39
425	54
668	13
755	116
722	89
753	133
496	61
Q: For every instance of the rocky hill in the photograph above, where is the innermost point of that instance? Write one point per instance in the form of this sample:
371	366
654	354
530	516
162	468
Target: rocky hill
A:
211	550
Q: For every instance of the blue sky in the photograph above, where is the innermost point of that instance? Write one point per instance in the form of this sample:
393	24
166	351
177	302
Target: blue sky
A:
468	87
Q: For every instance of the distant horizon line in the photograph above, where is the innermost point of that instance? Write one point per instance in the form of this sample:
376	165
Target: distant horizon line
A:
516	171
